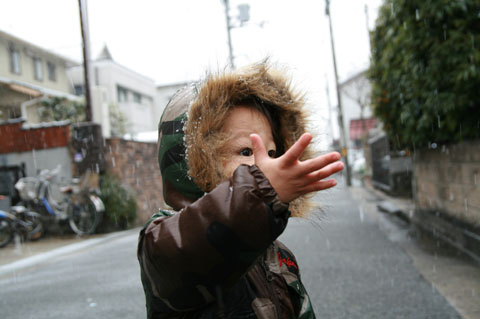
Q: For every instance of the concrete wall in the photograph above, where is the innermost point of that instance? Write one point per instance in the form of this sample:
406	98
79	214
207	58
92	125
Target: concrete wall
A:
135	163
447	181
38	147
37	160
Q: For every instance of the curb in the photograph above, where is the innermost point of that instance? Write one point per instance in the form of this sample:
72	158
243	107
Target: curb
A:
34	260
461	239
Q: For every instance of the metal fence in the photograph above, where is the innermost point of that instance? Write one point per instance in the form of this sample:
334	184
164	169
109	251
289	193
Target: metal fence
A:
380	155
391	171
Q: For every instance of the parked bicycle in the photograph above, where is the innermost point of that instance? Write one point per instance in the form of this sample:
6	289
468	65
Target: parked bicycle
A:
78	203
20	221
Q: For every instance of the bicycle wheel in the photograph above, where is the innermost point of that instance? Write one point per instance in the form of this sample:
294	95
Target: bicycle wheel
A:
6	232
84	218
34	226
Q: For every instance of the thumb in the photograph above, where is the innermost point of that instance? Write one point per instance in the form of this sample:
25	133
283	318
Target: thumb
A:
258	148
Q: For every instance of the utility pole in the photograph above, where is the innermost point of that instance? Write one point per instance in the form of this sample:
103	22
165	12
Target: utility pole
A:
86	56
367	19
339	100
330	125
229	28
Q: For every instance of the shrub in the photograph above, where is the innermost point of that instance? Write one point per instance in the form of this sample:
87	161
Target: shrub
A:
59	108
425	71
120	204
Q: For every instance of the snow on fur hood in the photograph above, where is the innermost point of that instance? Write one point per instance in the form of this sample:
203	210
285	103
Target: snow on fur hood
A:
189	129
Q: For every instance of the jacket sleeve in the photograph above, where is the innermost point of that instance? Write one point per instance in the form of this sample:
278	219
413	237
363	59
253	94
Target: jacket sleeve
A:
211	243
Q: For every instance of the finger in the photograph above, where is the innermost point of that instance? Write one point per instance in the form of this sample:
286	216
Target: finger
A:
295	152
319	186
317	163
258	148
325	172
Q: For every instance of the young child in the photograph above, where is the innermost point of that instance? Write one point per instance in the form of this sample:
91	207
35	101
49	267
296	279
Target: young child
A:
233	155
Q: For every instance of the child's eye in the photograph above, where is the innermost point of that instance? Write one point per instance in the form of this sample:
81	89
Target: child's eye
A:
246	152
272	153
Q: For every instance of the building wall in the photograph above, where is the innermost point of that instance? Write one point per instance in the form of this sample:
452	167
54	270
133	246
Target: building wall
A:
164	94
10	102
36	160
27	52
447	181
135	163
140	115
106	78
353	90
43	147
356	88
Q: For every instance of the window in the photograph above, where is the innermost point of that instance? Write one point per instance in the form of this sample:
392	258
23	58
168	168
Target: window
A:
78	90
147	100
121	94
14	60
38	69
52	71
137	97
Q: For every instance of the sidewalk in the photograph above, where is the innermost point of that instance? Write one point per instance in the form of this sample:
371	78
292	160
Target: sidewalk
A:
18	255
455	275
16	250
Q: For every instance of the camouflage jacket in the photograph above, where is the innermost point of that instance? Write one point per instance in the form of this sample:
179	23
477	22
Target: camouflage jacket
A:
219	257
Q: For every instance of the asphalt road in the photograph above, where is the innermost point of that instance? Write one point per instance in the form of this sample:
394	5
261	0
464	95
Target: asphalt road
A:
352	270
101	281
349	266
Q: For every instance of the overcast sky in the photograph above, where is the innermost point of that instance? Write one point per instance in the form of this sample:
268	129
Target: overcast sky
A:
177	41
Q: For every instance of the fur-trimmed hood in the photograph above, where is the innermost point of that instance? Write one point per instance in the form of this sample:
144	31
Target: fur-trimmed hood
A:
189	130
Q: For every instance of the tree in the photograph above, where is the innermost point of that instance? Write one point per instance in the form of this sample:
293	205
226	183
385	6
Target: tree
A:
118	121
425	71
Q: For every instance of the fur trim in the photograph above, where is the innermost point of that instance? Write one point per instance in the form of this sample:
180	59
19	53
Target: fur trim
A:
207	113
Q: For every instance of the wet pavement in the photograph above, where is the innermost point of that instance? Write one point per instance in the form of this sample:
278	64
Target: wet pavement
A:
93	278
453	274
18	250
352	268
356	262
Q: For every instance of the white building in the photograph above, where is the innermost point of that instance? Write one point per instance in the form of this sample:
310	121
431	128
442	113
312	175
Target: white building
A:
355	93
164	94
117	88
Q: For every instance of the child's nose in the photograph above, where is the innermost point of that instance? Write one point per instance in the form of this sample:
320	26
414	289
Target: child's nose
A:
250	160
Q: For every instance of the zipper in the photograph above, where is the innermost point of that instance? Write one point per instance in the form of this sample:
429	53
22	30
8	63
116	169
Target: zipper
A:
269	276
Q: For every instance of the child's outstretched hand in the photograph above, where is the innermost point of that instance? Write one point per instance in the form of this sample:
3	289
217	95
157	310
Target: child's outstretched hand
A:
291	177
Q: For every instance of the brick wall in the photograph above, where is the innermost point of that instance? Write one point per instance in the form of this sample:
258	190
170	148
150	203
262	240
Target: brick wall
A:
15	138
136	165
447	181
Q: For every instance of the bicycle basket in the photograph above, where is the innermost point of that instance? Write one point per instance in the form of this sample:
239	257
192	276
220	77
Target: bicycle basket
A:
27	188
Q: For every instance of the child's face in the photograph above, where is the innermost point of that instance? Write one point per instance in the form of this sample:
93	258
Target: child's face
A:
240	123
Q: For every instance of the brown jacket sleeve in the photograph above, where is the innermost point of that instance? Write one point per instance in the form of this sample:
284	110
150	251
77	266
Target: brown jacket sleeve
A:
212	242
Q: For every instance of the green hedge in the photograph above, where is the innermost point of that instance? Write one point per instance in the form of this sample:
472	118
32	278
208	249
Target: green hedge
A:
120	204
425	71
